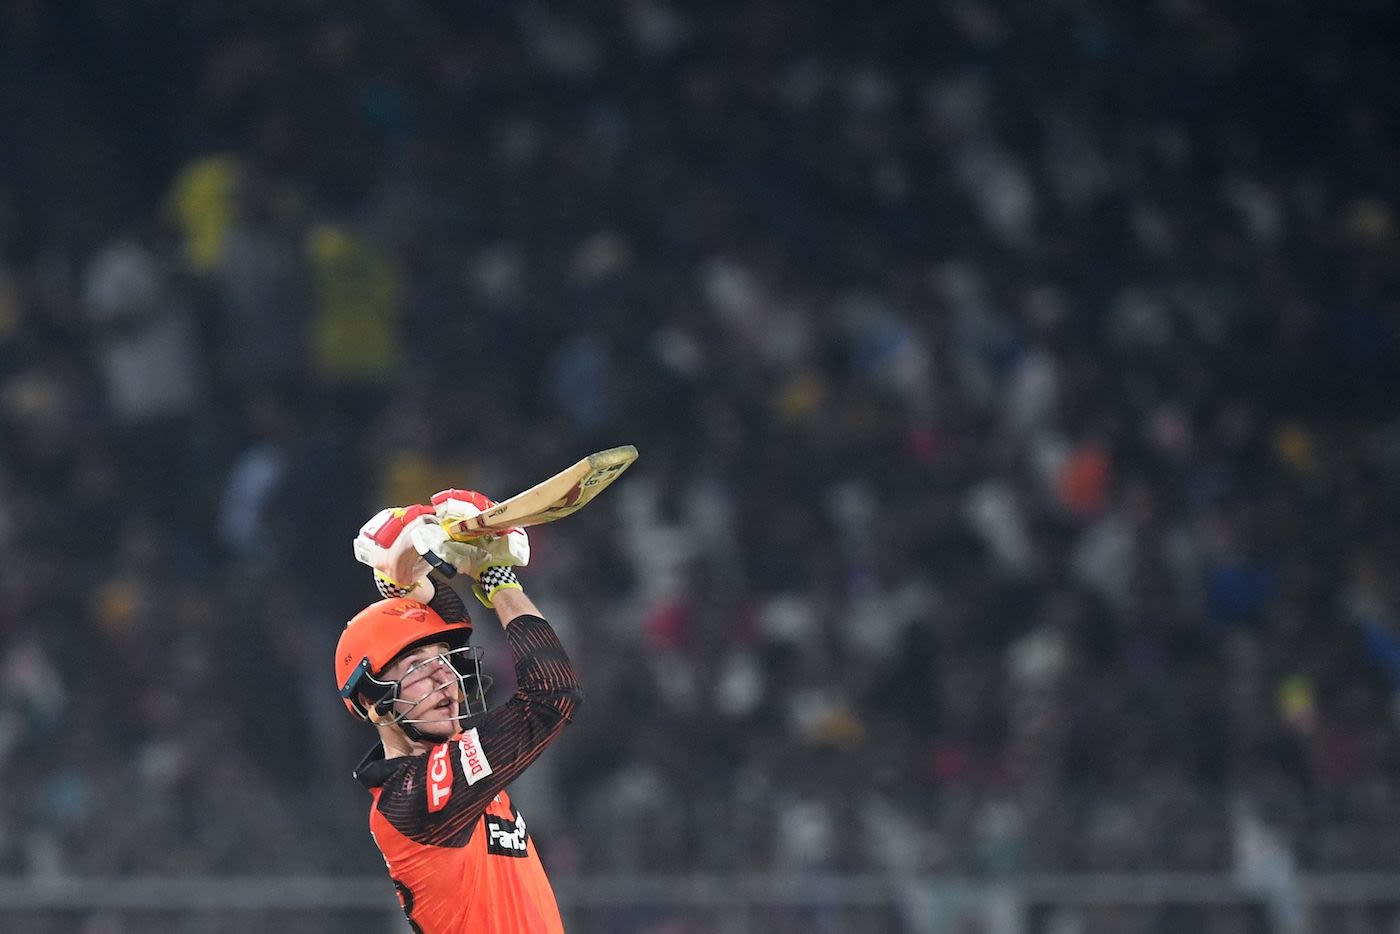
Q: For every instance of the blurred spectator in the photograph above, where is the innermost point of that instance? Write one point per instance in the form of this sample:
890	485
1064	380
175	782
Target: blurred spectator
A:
146	342
1015	386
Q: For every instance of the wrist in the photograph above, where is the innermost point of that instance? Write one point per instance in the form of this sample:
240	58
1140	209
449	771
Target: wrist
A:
492	581
421	590
511	604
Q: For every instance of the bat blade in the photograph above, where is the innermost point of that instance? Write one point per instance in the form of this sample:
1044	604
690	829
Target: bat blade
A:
561	495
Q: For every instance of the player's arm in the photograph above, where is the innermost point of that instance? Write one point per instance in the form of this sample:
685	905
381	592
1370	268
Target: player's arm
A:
547	688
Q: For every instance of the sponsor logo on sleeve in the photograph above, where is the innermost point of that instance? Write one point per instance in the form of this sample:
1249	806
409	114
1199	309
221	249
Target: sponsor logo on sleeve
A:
474	764
439	779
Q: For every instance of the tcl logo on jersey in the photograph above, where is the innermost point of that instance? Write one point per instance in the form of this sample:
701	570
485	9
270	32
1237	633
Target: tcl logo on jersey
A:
439	779
474	764
506	837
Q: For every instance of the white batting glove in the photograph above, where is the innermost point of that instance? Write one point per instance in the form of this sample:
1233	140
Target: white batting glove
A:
399	570
510	548
431	541
402	544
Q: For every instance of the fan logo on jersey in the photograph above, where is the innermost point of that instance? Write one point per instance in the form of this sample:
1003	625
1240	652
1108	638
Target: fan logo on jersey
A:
439	779
507	837
474	763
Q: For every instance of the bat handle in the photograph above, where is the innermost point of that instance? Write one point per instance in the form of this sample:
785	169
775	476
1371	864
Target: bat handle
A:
459	531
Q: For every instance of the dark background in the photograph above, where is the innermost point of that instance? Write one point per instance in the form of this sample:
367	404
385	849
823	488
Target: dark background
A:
1017	387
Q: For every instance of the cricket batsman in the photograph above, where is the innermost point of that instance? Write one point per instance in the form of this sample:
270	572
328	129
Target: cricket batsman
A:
458	851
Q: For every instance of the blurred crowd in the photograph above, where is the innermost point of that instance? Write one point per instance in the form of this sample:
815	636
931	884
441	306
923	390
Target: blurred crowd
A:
1015	383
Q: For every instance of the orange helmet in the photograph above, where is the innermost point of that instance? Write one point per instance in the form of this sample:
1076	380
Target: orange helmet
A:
378	634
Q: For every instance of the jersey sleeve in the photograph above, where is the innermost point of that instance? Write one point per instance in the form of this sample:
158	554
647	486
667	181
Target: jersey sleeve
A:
446	601
439	798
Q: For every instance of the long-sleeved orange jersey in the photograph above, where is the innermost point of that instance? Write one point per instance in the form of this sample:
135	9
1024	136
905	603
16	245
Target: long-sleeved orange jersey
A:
459	853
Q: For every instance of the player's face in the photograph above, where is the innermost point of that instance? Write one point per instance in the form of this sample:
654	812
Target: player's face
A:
429	692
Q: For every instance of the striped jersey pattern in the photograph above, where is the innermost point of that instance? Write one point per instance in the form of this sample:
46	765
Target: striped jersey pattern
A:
457	850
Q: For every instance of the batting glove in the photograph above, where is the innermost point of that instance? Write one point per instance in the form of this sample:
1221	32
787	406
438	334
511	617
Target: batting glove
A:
510	548
403	543
492	557
399	570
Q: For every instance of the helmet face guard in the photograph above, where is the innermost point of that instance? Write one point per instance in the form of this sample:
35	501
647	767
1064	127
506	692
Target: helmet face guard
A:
388	705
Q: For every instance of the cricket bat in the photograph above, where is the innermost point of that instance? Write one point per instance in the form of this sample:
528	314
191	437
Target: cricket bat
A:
561	495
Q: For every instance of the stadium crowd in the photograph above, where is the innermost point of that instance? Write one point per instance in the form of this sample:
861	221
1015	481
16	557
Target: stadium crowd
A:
1016	387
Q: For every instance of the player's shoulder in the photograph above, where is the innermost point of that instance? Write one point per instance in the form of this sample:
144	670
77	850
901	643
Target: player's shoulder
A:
376	771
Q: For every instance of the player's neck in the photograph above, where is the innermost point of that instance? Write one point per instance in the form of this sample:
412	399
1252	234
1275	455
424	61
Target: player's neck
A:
396	744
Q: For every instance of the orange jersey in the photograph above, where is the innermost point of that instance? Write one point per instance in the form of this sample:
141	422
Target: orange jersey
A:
492	884
459	853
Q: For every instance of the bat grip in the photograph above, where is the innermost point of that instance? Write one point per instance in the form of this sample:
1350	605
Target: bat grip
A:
445	568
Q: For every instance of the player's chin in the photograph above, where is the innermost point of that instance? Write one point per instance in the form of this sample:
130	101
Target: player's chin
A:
441	720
